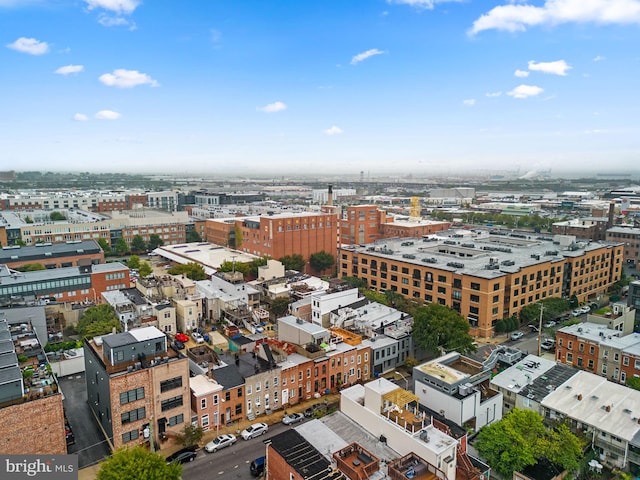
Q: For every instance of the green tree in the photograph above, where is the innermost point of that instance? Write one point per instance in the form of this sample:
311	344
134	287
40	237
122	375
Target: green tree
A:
436	328
121	246
138	463
155	241
520	439
138	244
321	261
355	282
98	320
134	262
255	264
190	435
20	242
279	306
30	267
233	266
293	262
145	269
192	270
633	382
237	237
28	219
105	245
193	236
57	216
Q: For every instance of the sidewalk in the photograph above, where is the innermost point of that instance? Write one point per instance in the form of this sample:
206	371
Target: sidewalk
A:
274	417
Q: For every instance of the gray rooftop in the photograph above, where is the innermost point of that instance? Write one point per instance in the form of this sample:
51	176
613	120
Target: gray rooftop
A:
48	250
479	253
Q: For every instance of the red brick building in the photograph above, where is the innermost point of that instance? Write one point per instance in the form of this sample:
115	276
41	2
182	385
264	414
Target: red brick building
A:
278	235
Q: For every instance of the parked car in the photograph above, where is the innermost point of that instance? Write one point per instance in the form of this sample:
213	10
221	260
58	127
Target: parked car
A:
181	337
183	456
254	430
517	335
577	312
549	324
221	441
197	336
585	309
178	345
318	407
257	466
292	418
71	439
548	344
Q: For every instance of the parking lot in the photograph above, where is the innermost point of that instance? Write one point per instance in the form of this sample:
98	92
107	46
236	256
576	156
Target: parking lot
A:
90	444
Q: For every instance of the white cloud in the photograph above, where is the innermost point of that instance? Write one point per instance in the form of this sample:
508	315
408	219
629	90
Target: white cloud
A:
469	102
559	67
333	130
118	6
80	117
107	115
30	46
364	55
598	58
524	91
517	18
493	94
122	78
521	73
424	4
67	69
273	107
109	21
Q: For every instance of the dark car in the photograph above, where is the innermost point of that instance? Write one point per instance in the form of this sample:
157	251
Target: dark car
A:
183	456
71	439
178	345
257	466
320	408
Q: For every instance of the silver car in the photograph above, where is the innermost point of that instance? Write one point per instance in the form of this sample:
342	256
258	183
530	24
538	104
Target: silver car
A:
254	430
225	440
292	418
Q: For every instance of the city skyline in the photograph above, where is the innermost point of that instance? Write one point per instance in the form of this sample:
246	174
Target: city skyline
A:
403	86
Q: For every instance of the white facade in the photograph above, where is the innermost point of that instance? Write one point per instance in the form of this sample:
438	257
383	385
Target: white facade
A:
364	405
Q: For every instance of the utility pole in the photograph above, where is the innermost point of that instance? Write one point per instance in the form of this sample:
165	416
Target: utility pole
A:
540	329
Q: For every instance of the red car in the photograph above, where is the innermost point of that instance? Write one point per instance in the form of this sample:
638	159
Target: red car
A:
181	337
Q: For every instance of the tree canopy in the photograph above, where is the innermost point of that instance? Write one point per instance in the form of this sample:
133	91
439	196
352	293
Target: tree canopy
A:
104	245
293	262
155	241
436	328
520	439
321	261
98	320
56	216
30	267
552	309
145	269
193	236
140	464
134	262
279	306
121	246
138	244
190	435
192	270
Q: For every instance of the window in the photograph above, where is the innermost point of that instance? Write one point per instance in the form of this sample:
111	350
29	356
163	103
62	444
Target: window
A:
249	392
133	415
203	403
227	396
129	436
132	395
170	403
442	278
625	361
170	384
205	422
258	386
475	286
175	420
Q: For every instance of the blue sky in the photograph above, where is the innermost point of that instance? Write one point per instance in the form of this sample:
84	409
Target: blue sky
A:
316	87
